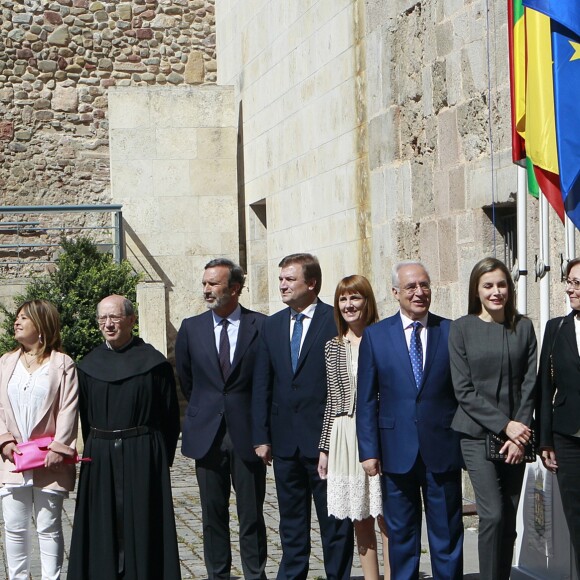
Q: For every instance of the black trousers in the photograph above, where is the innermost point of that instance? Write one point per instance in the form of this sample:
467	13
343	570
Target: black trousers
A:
297	484
568	457
220	469
497	488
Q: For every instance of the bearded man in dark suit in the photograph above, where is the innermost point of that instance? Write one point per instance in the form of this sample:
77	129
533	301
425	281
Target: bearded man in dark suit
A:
215	354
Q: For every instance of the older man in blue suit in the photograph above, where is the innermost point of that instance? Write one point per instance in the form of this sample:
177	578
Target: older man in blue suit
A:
405	405
215	354
289	398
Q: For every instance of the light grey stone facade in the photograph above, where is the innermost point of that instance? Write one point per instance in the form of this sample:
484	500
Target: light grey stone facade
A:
376	131
364	131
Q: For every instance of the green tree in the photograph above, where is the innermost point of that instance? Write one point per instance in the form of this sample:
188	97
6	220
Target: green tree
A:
82	277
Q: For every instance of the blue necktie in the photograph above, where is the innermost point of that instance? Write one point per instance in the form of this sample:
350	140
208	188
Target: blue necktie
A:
416	353
295	342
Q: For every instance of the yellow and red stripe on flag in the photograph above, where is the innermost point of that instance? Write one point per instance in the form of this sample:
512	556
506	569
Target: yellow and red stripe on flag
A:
540	121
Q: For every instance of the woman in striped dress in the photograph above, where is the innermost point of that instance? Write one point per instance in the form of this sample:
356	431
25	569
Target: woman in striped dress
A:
351	492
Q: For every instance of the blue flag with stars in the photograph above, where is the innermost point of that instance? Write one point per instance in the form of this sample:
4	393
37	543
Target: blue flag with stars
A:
566	55
565	27
566	12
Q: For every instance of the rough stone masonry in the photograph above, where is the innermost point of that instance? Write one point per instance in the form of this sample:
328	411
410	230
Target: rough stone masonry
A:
57	60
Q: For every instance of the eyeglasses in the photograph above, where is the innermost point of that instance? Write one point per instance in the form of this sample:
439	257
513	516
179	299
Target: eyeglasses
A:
412	288
574	283
102	320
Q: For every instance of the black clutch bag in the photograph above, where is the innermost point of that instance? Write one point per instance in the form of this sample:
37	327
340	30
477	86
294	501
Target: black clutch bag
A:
493	443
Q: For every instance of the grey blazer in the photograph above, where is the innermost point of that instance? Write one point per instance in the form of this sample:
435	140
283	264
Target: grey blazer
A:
494	374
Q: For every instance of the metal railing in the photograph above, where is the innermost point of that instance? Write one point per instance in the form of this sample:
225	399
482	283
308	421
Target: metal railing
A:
23	230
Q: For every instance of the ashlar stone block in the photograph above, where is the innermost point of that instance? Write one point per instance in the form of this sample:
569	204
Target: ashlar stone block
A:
194	107
128	108
176	143
457	188
447	249
171	178
133	144
448	139
132	178
183	213
441	191
384	139
422	188
153	314
429	244
444	38
217	178
453	71
218	143
474	66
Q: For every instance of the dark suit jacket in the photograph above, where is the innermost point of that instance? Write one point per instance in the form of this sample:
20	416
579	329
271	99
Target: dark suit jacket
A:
288	407
481	353
395	420
559	413
210	398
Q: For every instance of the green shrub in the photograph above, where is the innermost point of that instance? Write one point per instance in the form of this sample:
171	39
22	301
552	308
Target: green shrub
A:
82	277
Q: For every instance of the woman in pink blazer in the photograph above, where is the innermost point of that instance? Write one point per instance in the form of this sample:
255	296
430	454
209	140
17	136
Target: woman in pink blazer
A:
38	398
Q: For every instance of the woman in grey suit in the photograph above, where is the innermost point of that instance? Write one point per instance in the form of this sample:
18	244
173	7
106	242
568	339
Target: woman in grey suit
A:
492	352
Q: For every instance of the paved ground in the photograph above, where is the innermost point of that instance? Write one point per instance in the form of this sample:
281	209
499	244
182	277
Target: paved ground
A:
189	531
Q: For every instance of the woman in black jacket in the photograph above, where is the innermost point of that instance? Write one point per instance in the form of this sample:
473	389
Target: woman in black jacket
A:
558	411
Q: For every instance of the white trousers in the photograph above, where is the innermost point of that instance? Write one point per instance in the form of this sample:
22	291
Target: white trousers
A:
17	507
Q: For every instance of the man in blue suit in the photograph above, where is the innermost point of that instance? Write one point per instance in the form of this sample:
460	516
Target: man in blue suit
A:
215	355
405	405
289	398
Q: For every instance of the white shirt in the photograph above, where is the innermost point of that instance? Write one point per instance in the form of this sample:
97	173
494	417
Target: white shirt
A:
408	329
27	393
577	329
308	314
233	329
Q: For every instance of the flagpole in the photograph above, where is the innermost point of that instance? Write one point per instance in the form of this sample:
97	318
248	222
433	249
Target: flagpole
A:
570	240
544	264
570	254
522	229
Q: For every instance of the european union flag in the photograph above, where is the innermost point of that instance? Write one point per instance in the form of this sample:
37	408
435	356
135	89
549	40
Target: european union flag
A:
566	12
566	55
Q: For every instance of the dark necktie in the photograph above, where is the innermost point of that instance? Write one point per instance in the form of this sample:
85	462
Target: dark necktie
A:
416	353
224	352
295	342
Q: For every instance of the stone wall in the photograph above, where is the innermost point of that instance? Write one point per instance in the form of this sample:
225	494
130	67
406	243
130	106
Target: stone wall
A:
437	75
296	67
375	131
57	61
440	143
173	166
